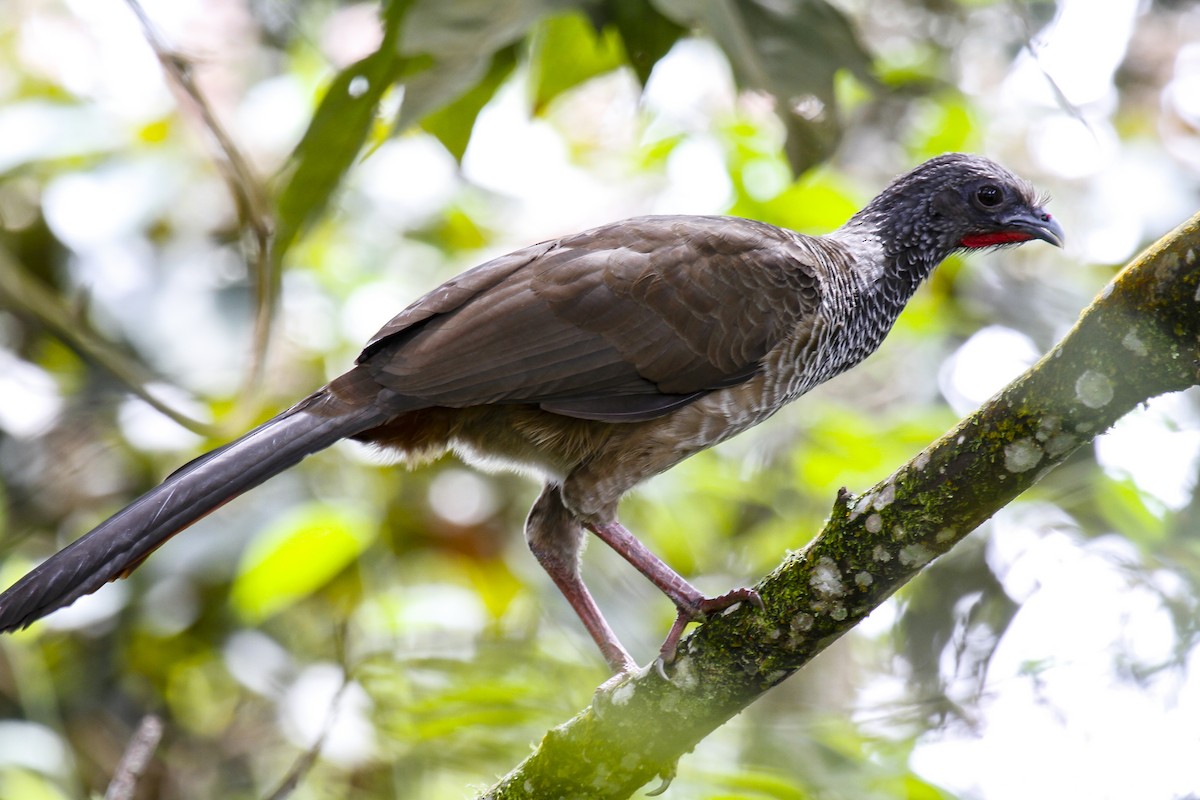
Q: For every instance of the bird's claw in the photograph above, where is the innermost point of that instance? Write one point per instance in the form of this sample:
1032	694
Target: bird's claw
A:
698	612
667	775
743	594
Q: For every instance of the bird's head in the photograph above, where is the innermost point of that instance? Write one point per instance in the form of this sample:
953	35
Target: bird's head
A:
958	201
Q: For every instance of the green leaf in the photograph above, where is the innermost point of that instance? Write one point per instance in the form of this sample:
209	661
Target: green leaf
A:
942	125
16	781
331	144
339	128
567	51
460	38
1124	507
917	789
297	555
466	27
753	783
792	49
452	124
458	231
647	34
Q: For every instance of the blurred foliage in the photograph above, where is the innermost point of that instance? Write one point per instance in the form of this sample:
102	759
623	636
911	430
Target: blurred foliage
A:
404	142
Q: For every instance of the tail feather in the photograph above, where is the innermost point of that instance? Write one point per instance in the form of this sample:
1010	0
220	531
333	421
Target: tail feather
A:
115	547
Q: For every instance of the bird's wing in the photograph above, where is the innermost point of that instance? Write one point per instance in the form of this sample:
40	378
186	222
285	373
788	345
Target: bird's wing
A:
623	322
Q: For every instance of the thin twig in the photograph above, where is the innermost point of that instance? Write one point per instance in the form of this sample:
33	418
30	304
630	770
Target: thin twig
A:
135	759
302	766
253	209
26	295
308	759
1034	49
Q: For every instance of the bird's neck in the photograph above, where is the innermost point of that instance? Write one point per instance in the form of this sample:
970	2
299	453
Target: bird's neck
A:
890	258
881	272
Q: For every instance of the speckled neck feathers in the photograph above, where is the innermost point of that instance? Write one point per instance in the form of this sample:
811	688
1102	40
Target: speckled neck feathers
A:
913	227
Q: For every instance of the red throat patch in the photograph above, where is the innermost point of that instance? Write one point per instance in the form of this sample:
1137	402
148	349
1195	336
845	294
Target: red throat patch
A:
994	238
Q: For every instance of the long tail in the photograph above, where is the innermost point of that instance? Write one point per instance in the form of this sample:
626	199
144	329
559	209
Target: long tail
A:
118	545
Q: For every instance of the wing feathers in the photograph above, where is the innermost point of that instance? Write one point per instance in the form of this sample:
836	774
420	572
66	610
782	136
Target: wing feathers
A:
626	322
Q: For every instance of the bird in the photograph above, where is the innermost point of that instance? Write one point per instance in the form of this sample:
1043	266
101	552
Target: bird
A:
596	361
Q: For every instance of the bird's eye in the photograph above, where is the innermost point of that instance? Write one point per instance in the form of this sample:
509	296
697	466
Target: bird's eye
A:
989	195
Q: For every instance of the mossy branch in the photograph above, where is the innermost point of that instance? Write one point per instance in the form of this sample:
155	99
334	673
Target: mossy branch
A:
1140	338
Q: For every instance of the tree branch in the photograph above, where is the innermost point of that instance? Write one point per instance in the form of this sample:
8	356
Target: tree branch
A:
24	295
245	188
135	759
1139	338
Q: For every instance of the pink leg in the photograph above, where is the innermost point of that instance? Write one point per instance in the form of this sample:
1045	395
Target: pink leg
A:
693	606
577	594
556	540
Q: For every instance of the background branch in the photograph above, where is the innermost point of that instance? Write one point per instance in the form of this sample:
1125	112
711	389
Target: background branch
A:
245	188
19	290
136	758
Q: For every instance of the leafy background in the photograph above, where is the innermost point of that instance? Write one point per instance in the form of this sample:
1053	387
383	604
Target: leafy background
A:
316	166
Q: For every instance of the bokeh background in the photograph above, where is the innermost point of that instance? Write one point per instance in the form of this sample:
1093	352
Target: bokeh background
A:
394	616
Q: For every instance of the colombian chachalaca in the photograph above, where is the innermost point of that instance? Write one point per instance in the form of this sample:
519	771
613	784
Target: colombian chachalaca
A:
596	361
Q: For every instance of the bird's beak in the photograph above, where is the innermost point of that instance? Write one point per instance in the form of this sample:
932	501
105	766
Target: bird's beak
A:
1038	224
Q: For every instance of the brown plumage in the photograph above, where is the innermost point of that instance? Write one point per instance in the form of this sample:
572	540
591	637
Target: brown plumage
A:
596	361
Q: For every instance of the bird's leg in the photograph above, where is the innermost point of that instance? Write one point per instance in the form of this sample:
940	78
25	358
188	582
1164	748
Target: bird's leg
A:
557	540
693	606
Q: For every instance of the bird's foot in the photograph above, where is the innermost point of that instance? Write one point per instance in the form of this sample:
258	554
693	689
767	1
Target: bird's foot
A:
693	606
698	610
743	594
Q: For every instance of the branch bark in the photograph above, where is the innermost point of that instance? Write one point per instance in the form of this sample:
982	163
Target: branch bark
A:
1140	338
136	758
